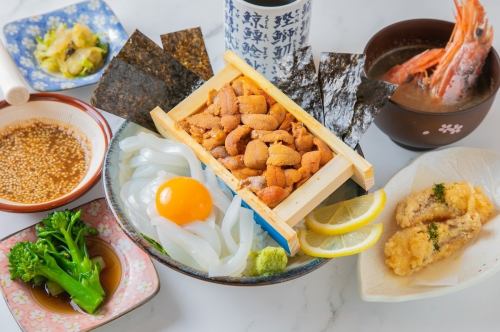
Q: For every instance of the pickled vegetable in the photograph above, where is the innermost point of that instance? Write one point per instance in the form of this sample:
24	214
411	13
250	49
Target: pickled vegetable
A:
74	52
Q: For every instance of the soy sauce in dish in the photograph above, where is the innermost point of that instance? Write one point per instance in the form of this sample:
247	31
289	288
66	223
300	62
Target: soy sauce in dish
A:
110	279
414	96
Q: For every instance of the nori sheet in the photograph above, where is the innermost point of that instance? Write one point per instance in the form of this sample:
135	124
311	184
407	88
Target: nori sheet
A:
188	47
371	97
340	76
130	93
296	76
142	77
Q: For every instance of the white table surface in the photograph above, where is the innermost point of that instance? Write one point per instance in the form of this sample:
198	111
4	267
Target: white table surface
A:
327	299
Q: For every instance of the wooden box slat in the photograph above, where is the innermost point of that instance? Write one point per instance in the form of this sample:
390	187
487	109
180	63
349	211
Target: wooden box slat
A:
315	190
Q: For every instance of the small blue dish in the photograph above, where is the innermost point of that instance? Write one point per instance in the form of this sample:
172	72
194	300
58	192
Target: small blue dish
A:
20	37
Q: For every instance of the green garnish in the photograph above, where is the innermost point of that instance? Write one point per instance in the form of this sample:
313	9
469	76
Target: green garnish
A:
154	243
438	192
103	46
266	262
87	66
60	256
432	230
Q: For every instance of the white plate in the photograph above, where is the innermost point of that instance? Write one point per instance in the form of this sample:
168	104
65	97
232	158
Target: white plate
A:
477	261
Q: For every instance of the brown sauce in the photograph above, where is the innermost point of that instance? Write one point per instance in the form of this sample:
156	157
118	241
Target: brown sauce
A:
414	96
41	160
110	279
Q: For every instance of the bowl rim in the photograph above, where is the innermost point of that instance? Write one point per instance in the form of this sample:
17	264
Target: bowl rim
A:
72	195
171	263
394	25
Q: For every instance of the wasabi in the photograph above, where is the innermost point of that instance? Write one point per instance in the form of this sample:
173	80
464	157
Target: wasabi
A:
268	261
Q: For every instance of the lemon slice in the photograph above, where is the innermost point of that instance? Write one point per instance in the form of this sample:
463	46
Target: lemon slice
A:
331	246
346	216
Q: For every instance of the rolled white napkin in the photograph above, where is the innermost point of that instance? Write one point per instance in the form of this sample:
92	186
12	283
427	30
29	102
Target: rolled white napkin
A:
14	90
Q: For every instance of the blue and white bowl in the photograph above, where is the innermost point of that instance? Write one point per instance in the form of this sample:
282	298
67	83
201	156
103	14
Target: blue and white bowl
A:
20	41
298	266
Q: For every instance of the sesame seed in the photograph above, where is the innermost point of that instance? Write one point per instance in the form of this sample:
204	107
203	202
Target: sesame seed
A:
41	160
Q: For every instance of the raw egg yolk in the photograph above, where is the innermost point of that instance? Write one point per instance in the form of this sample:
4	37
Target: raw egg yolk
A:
183	200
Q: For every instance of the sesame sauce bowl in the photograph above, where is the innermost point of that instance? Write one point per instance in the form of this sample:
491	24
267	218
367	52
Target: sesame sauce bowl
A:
52	152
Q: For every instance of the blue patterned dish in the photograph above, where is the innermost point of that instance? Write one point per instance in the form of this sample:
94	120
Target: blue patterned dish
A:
20	37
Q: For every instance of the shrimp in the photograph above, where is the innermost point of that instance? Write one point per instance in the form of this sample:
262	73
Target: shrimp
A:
418	65
457	66
470	44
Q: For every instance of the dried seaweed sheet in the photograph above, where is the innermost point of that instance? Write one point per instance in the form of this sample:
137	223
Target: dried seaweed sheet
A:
188	47
142	77
296	76
339	76
371	97
130	93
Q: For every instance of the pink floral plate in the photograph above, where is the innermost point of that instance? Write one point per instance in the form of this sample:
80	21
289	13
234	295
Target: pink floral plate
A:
138	283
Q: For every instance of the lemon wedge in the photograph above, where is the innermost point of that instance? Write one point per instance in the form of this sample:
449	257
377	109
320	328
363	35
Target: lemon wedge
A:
346	216
331	246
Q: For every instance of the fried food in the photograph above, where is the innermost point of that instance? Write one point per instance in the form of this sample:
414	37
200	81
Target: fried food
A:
413	248
255	138
436	222
441	202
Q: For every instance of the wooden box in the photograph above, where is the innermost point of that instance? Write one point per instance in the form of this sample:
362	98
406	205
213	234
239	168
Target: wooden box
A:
279	221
